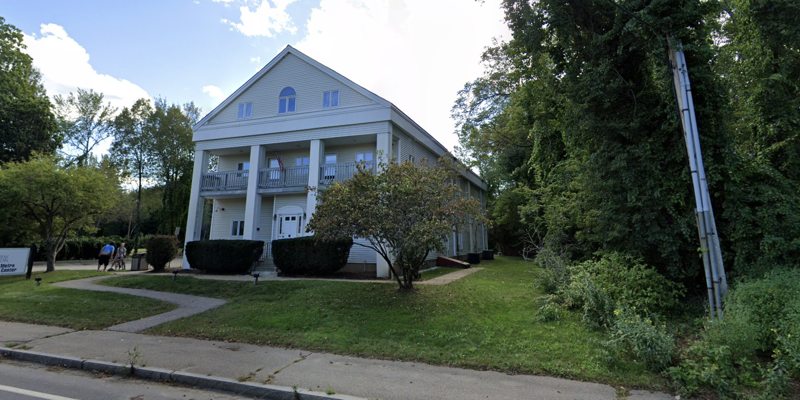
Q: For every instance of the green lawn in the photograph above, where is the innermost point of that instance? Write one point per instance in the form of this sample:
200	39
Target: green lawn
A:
483	321
435	273
22	301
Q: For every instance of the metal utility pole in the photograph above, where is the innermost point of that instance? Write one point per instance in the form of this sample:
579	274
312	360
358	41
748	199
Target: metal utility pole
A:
716	282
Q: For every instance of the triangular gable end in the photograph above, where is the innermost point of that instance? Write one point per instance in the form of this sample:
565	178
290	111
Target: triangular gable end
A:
285	69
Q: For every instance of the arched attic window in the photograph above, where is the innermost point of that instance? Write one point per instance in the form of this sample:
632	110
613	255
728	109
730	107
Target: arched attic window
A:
287	100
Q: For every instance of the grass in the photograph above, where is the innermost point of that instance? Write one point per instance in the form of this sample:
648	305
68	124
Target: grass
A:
483	321
22	301
437	272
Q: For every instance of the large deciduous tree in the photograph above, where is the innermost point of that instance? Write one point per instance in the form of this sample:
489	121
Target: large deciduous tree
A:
27	123
403	212
84	121
132	148
55	199
172	155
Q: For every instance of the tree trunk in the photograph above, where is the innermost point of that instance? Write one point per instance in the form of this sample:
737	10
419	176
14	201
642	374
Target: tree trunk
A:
51	254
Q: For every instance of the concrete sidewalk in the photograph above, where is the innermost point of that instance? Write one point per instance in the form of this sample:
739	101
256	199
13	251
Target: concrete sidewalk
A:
318	372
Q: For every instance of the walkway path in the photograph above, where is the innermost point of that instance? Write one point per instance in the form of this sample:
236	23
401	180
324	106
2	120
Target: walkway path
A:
187	305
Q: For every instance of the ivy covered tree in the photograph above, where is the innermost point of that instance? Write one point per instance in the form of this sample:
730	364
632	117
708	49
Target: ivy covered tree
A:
403	212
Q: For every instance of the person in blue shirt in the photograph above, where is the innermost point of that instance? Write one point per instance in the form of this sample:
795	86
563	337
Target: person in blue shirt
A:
105	256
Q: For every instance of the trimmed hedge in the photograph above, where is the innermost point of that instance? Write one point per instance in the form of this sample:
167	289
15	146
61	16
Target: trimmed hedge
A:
161	250
308	256
224	257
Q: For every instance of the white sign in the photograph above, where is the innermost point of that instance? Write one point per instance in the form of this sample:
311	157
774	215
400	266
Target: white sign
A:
13	261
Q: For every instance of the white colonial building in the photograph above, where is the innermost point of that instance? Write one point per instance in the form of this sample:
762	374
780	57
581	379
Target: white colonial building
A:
296	124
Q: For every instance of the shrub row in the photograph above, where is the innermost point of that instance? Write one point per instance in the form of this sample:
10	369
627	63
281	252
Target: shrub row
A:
82	248
224	257
308	256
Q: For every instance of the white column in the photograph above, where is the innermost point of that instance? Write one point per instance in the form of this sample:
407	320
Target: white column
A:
252	210
194	223
315	160
384	149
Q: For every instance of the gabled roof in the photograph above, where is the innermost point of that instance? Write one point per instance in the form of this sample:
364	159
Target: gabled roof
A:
286	51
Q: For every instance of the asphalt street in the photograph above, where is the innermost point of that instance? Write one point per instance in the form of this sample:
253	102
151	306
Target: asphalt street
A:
25	381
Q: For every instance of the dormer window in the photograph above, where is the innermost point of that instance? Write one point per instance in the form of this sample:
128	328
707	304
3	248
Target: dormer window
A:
245	110
330	99
287	101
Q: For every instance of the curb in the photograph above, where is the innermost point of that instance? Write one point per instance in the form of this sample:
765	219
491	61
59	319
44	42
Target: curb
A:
186	378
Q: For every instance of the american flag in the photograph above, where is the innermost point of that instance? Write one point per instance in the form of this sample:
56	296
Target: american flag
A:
280	162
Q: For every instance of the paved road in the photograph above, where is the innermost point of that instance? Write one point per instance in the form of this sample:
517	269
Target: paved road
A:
24	381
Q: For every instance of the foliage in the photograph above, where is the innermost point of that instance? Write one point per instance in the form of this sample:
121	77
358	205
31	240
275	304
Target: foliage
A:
554	272
311	256
627	280
21	301
27	122
223	257
639	338
54	199
84	121
169	127
404	211
762	316
161	249
131	150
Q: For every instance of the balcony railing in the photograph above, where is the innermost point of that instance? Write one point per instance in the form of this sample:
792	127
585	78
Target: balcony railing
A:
233	180
340	172
275	178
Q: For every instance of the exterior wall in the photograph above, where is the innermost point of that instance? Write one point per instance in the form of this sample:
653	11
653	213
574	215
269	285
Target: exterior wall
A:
309	83
265	219
409	147
229	163
221	220
347	154
295	136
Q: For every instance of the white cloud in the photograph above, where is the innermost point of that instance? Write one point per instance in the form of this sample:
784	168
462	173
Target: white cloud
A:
255	59
415	53
65	67
264	20
214	92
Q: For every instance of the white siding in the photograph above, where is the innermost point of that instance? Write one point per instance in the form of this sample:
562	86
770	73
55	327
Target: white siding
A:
265	221
229	163
308	81
361	254
294	136
347	154
221	219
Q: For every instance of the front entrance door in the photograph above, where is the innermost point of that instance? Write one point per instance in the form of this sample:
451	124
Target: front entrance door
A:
289	226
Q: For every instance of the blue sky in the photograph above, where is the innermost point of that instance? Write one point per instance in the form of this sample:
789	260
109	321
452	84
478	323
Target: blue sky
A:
414	53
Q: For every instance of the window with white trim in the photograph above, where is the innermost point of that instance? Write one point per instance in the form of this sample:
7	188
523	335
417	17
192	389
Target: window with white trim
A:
287	100
366	157
274	169
301	161
411	158
243	166
330	99
245	110
237	228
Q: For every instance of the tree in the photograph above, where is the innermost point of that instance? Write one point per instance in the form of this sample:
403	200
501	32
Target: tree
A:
55	199
27	123
84	121
403	212
172	155
132	148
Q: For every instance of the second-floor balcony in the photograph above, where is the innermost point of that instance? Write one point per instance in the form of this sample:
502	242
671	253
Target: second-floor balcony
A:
289	177
271	178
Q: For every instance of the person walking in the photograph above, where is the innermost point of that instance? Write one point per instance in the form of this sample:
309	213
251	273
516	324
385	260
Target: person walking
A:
105	255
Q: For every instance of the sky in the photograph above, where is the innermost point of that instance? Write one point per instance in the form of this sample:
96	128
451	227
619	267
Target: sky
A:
416	54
